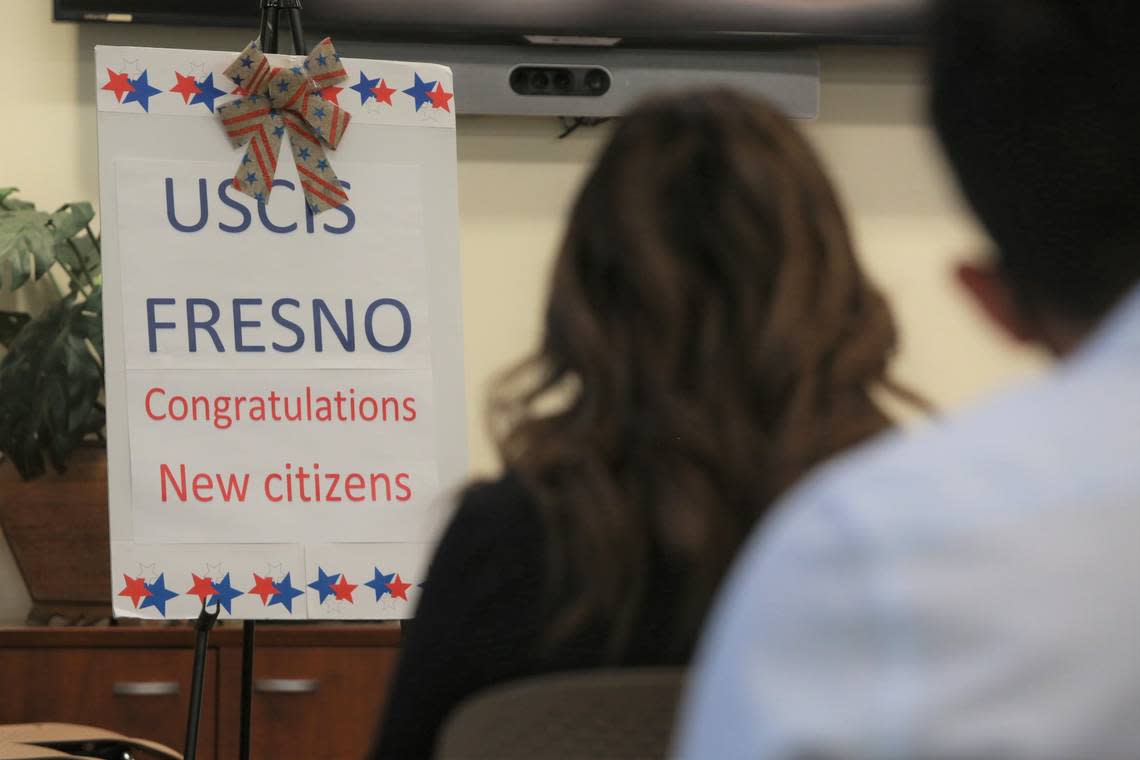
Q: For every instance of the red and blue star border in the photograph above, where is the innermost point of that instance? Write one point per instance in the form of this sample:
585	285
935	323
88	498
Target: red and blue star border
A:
203	91
272	592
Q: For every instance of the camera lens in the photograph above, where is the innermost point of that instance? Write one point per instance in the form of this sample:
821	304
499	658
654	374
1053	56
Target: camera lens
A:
562	81
539	80
597	81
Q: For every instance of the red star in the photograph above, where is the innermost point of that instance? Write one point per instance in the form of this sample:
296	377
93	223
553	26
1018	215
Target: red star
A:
330	94
119	84
203	588
343	589
383	93
440	98
264	588
186	87
397	588
135	589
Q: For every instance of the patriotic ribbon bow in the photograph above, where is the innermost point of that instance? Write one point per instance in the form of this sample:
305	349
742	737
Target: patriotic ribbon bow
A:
277	100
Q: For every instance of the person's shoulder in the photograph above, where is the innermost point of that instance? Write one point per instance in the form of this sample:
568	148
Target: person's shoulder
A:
970	465
502	500
832	534
501	511
494	535
503	493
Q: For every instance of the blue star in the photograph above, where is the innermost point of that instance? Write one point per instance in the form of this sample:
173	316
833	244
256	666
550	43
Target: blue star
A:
286	593
322	60
246	159
237	103
322	165
336	56
247	62
364	87
209	93
238	79
323	584
159	595
259	197
282	86
319	112
226	594
253	98
306	65
304	154
143	92
279	131
421	91
296	70
379	582
251	178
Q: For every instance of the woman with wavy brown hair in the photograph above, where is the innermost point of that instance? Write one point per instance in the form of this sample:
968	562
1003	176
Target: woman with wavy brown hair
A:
709	338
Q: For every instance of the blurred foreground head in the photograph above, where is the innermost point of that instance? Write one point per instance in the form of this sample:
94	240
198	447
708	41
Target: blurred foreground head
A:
709	337
1038	105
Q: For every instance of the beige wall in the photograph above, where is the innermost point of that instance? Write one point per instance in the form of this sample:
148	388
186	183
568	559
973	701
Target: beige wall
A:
516	181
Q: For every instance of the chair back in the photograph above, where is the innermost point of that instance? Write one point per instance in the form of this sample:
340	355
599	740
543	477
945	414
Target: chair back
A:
596	714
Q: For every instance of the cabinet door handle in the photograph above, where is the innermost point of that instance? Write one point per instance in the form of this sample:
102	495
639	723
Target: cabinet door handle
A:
286	685
145	688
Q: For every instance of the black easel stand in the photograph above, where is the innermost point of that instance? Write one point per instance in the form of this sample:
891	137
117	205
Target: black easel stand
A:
270	24
247	634
205	622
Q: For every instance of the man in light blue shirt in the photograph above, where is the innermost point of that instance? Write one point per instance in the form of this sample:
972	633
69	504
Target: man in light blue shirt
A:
972	590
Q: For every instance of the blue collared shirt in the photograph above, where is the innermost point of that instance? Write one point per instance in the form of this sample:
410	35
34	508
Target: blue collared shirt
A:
968	590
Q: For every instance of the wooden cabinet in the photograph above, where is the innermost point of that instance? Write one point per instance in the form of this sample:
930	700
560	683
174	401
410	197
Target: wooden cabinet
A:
310	702
143	692
318	690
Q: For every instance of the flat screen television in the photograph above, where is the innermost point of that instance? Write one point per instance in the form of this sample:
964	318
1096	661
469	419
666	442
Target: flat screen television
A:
198	12
632	23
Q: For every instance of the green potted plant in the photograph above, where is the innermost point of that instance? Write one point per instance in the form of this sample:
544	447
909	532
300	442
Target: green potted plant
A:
53	492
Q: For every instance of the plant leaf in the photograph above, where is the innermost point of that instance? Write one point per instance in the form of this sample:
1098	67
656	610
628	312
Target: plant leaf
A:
26	243
70	220
12	204
92	323
19	268
52	373
11	322
52	383
81	259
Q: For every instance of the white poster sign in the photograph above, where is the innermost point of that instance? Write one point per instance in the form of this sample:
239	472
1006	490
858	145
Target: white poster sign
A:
284	382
